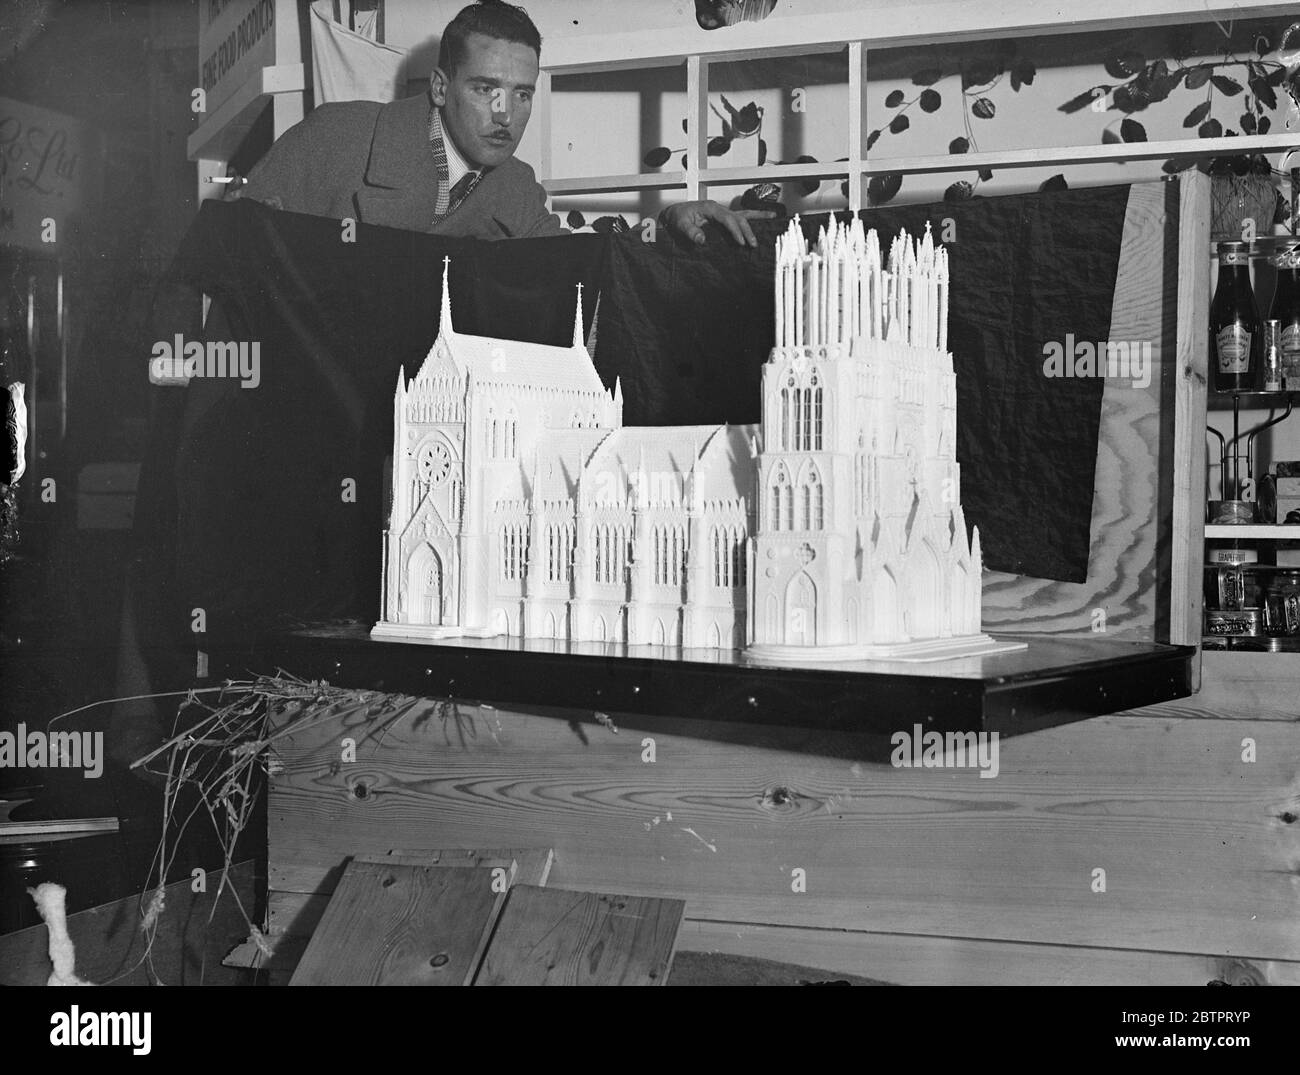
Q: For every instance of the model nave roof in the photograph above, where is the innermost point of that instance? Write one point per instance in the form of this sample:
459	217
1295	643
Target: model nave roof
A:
496	361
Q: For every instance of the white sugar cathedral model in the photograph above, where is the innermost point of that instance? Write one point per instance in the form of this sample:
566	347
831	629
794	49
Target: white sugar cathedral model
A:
521	504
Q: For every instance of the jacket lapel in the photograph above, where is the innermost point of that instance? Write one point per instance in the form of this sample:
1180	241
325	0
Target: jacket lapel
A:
401	185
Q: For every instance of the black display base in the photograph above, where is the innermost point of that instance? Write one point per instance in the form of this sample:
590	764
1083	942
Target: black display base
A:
1053	681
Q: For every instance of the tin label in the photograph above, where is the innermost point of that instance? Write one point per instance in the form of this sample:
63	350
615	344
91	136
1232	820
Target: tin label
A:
1291	343
1233	345
1230	588
1291	357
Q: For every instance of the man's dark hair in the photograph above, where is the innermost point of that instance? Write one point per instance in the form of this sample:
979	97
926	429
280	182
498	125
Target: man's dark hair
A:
492	18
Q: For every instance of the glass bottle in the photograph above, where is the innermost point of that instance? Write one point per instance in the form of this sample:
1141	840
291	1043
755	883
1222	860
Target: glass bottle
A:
1286	312
1236	343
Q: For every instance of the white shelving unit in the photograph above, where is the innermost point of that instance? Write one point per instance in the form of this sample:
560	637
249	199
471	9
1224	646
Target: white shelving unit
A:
884	25
1249	532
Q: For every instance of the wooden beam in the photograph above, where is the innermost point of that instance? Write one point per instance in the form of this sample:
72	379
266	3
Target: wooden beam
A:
1050	156
602	184
1190	386
1046	157
908	959
859	125
57	828
697	136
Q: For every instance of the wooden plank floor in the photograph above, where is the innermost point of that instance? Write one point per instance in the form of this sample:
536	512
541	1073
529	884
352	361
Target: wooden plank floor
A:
548	936
1198	846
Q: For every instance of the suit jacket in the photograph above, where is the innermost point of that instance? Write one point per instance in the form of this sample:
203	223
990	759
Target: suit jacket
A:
372	162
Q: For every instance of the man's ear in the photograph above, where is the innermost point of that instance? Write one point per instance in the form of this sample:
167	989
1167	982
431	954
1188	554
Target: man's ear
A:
438	83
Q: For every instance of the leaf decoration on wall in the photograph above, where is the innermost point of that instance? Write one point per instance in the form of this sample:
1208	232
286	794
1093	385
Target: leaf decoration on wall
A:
872	138
718	145
986	174
657	157
1197	76
899	124
1132	131
1229	87
575	219
1125	64
1132	97
984	109
894	99
882	188
744	121
959	145
807	186
1263	91
930	100
762	151
1057	182
1211	128
1083	100
717	14
958	192
1022	74
980	72
1197	115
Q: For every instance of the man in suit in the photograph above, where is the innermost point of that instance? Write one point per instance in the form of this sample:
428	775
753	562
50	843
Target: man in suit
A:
444	164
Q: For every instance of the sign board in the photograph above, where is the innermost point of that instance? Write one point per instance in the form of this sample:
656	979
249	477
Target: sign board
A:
236	38
43	156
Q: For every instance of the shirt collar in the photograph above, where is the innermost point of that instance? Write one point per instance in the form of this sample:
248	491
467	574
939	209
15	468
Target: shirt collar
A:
457	166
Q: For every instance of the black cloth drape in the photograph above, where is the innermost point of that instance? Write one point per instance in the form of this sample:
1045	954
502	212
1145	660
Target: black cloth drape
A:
246	507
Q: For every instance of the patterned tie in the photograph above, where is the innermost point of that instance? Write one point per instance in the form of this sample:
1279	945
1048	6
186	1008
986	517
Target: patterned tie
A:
449	197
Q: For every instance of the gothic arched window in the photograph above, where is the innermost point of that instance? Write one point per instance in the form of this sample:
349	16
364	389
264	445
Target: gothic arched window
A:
779	495
816	414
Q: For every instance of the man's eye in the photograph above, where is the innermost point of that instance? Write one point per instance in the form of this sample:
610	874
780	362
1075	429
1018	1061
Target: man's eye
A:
525	95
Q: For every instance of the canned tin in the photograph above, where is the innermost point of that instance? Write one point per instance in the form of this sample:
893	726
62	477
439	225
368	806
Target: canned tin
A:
1231	511
1242	621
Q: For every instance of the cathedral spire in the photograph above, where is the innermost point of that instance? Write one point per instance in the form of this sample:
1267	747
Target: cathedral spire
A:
445	327
577	320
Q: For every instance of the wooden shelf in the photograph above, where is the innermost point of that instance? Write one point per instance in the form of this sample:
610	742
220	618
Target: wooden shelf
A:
1247	532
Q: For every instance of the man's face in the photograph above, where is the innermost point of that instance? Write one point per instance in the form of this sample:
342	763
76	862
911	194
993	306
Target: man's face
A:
486	103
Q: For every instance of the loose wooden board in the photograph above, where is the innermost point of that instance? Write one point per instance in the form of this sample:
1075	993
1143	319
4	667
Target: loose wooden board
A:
549	936
396	922
299	893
